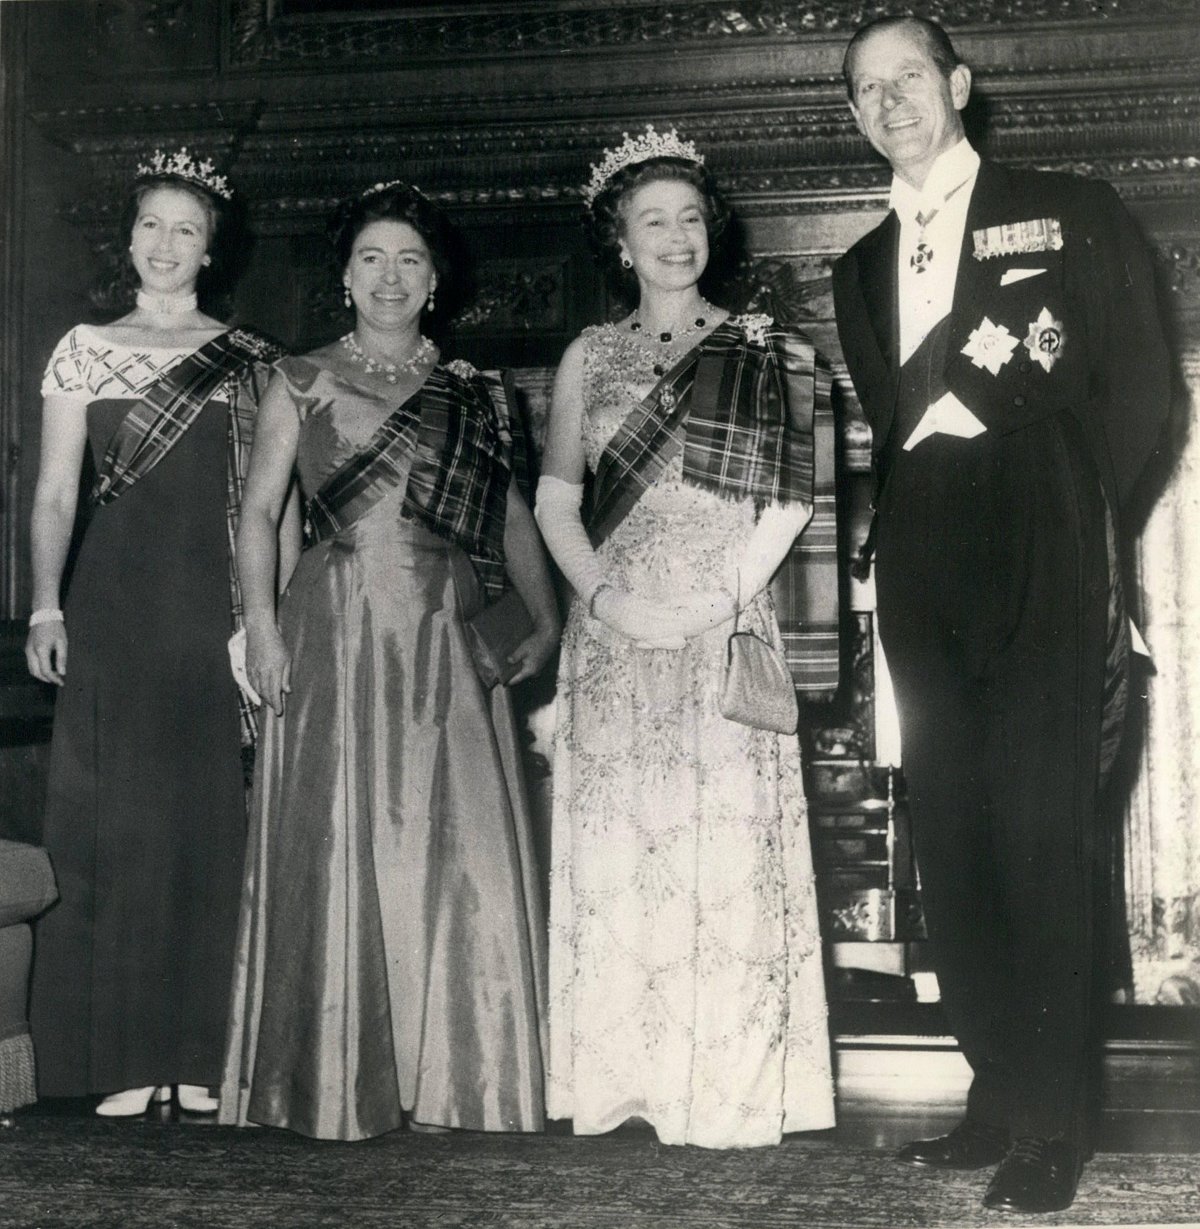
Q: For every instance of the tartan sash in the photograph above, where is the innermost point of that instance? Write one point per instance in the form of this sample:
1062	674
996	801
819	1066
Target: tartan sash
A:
450	460
159	421
642	448
755	421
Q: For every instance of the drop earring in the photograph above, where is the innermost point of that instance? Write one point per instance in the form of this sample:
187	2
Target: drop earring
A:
346	297
429	297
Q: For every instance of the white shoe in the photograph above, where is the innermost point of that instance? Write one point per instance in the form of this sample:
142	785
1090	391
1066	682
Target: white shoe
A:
195	1099
132	1102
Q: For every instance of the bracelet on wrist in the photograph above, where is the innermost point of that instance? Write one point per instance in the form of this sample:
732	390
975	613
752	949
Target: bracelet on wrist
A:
599	589
46	614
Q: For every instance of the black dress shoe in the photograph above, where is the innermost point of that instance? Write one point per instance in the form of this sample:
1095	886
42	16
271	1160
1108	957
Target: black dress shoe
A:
971	1145
1038	1175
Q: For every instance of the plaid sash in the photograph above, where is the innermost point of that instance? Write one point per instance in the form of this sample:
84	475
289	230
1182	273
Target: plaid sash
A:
754	420
167	409
451	458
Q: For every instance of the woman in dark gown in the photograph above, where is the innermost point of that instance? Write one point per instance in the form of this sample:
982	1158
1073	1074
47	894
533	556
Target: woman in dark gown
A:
145	811
391	945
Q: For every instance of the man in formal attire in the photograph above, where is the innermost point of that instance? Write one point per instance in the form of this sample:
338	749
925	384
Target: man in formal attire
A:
1001	332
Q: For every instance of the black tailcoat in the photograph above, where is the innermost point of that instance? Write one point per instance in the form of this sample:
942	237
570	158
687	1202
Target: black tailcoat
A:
997	598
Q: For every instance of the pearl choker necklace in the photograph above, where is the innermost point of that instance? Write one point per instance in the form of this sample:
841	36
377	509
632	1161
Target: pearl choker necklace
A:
391	372
166	304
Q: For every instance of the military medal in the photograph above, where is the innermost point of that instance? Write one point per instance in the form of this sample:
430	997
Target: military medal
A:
990	346
1045	340
1013	238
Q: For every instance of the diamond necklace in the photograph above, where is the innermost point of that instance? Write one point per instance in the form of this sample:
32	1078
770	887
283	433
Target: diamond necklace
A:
391	372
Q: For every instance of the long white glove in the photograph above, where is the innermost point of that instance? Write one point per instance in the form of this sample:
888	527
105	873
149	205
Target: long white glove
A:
765	549
557	514
556	510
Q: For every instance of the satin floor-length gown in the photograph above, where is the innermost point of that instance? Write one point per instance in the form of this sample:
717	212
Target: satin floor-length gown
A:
391	944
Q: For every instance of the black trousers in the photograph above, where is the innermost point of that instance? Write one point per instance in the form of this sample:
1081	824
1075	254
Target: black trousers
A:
991	575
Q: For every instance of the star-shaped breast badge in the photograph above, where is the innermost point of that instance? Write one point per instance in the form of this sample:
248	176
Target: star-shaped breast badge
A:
1045	340
990	346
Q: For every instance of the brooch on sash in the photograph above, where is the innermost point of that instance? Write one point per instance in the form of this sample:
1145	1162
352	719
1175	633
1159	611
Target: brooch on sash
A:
1045	340
1013	238
260	347
990	346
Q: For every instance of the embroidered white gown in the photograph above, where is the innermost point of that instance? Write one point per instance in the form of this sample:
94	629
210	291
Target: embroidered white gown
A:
686	983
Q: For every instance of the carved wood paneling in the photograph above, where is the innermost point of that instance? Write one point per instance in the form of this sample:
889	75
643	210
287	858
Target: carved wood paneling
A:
260	33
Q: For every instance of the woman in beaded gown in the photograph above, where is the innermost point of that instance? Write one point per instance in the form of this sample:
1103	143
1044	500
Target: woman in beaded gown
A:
145	810
391	944
685	962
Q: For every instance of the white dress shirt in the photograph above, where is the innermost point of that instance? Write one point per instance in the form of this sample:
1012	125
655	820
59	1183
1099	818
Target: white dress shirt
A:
927	296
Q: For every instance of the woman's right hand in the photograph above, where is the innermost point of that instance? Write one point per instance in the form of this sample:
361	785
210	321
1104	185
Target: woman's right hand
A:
268	664
46	652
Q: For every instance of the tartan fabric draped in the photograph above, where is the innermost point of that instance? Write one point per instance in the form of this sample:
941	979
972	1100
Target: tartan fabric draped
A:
448	448
750	407
234	361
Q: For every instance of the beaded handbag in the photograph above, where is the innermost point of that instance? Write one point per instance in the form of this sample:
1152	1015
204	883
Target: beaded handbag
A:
757	688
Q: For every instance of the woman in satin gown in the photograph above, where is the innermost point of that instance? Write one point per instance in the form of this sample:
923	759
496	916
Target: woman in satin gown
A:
391	944
145	810
685	982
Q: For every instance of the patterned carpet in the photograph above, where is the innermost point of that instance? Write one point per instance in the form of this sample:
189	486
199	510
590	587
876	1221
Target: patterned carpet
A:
71	1172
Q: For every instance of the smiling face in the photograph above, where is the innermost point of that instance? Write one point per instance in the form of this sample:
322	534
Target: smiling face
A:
390	274
903	103
665	234
169	240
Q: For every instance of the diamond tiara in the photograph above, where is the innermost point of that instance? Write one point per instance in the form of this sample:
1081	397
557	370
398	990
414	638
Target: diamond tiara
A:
650	144
391	183
182	165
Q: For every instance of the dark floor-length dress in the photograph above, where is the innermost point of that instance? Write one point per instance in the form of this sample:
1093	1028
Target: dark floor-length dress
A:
391	942
145	812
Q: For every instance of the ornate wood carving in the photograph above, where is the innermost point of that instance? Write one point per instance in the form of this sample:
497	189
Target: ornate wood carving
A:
517	296
258	38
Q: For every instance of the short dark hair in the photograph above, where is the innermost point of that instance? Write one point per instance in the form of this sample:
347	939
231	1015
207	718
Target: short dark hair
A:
405	203
119	282
937	43
606	218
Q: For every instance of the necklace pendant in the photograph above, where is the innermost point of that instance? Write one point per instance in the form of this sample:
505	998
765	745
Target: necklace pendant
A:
664	337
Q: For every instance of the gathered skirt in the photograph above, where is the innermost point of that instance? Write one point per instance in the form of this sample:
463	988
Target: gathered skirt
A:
391	940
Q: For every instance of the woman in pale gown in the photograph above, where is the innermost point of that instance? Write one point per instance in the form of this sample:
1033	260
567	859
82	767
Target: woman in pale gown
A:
685	963
389	960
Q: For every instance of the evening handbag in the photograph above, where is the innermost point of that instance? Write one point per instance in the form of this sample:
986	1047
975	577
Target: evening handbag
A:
757	688
493	635
493	630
